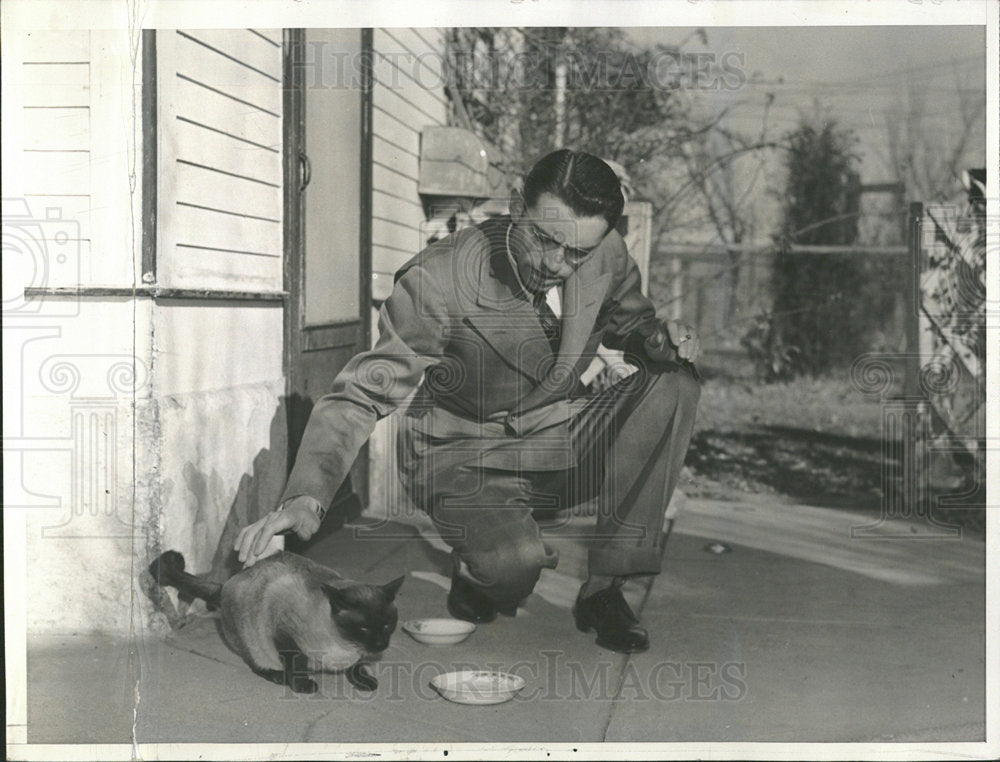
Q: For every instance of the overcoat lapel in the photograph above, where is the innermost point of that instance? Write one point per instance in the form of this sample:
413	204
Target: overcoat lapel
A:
507	321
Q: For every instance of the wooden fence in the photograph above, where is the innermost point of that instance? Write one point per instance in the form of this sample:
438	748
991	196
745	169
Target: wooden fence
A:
724	289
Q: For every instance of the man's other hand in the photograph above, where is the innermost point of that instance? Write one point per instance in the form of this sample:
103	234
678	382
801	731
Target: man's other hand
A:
672	341
685	339
300	515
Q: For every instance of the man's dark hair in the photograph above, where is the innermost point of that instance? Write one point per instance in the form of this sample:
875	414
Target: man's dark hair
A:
585	183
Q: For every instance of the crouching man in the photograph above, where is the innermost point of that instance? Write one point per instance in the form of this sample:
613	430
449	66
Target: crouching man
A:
492	327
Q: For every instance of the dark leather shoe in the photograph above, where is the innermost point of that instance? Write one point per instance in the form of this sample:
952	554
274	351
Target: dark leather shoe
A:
617	626
467	602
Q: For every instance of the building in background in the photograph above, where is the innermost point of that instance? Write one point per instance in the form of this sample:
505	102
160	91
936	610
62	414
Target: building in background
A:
198	247
199	226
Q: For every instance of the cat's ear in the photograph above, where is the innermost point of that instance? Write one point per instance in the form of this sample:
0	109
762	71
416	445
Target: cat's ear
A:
392	588
336	597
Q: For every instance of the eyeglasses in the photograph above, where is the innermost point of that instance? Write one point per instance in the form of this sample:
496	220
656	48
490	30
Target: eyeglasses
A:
574	255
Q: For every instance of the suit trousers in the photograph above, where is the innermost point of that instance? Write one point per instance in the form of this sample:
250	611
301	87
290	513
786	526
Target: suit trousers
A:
627	445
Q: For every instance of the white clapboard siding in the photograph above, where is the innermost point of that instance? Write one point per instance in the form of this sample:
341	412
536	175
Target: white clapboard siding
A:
432	38
206	187
77	146
411	92
57	84
216	68
407	96
394	130
223	113
54	129
51	46
202	267
215	230
116	146
76	208
204	145
243	46
418	57
399	188
219	132
57	172
271	35
385	206
54	165
403	102
392	260
398	235
387	177
401	160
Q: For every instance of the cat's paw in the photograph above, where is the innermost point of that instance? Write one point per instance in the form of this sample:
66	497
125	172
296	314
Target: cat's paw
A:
361	678
276	676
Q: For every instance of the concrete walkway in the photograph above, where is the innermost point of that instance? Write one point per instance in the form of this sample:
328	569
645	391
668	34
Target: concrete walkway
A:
800	633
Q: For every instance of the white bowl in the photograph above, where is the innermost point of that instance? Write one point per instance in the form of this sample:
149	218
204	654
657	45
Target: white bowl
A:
477	687
439	632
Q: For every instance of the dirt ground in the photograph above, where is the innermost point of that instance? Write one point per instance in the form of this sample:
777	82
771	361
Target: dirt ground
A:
819	441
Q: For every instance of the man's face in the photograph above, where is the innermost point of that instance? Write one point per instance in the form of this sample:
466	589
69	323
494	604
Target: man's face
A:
552	241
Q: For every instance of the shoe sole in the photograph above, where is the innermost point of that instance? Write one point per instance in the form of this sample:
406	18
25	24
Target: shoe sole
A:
474	620
636	650
604	644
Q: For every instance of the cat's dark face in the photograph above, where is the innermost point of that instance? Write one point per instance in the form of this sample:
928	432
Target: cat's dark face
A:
365	614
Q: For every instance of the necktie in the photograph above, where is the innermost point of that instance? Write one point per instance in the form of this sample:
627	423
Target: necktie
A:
549	321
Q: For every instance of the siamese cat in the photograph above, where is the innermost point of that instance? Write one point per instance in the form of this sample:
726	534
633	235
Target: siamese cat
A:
287	616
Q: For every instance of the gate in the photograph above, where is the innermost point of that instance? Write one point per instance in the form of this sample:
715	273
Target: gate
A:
950	251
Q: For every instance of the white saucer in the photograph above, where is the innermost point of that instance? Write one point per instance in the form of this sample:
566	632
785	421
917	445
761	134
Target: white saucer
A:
477	687
439	632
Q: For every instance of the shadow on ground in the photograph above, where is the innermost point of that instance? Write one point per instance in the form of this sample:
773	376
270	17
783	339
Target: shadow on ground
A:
824	469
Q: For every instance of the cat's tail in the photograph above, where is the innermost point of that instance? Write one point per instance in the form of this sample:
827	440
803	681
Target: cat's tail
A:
168	569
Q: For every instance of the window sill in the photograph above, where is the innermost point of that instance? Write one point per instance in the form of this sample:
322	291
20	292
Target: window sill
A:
154	292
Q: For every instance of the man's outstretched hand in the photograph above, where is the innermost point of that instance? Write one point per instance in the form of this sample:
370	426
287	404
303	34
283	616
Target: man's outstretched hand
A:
300	515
